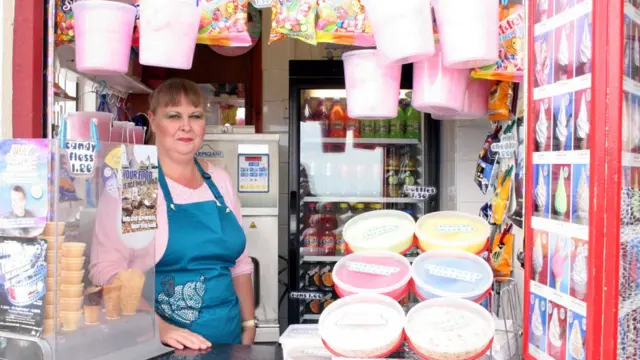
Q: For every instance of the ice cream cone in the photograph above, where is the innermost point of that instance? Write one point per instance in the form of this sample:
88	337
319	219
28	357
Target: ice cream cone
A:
71	277
132	283
73	249
52	241
536	277
48	312
70	320
53	228
50	285
539	146
559	145
558	283
71	291
48	328
49	297
73	264
92	314
71	304
111	296
53	270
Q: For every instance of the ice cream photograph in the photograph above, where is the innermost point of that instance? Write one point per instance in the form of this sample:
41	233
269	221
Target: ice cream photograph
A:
583	120
565	42
559	248
627	58
633	120
563	5
579	263
626	120
583	46
580	194
576	327
543	48
538	321
540	257
563	122
557	329
544	10
543	131
542	190
560	191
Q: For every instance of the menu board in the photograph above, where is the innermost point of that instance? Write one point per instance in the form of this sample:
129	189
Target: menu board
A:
629	271
560	192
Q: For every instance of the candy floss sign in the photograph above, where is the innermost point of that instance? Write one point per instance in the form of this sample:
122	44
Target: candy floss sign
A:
81	156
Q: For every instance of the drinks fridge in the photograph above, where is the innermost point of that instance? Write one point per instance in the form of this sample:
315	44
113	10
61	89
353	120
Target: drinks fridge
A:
341	167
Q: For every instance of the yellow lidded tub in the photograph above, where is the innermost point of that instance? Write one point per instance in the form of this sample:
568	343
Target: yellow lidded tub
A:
452	230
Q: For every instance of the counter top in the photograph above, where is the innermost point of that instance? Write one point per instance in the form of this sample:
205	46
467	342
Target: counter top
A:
229	352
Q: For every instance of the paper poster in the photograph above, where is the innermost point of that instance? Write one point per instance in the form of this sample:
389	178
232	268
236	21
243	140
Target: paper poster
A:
253	173
24	199
139	188
23	271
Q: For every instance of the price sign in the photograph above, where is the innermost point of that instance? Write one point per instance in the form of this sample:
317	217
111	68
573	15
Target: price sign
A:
305	295
420	192
81	156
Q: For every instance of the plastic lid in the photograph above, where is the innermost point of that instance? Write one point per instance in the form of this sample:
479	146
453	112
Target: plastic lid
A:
307	352
362	326
307	334
378	230
452	229
371	272
452	273
449	328
359	53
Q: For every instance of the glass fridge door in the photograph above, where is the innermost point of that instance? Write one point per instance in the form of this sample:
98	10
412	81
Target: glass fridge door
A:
348	167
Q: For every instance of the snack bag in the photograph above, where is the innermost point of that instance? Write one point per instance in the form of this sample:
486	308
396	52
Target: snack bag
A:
486	161
343	22
64	22
224	23
502	196
294	19
500	98
502	252
511	54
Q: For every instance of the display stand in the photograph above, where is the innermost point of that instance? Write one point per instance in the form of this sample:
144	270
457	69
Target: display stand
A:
68	312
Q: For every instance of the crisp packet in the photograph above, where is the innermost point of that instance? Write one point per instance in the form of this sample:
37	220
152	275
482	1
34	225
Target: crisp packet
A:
343	22
224	23
486	161
500	98
502	196
64	22
294	19
502	252
511	54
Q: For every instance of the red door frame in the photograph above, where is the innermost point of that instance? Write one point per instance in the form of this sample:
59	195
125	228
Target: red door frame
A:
27	69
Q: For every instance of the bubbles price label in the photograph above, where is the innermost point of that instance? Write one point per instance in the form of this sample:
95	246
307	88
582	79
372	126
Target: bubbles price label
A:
305	295
419	192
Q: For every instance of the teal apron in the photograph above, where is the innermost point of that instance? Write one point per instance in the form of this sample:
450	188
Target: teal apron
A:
193	284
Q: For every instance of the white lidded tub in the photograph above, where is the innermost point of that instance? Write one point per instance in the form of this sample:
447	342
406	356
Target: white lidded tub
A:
390	230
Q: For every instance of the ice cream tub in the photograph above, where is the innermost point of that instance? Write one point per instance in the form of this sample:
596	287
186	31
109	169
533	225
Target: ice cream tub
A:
372	86
448	328
306	352
390	230
451	273
452	230
362	326
300	335
436	88
372	272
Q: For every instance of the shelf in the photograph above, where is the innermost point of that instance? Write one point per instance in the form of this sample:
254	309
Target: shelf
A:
122	83
365	141
311	317
334	258
357	199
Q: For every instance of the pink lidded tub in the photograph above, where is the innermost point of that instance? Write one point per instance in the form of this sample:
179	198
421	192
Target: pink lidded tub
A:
79	125
436	88
372	272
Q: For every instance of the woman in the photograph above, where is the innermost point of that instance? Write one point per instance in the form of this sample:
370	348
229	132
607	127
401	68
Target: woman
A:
203	287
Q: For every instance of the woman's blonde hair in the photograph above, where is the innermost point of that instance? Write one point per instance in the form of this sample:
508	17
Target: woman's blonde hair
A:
171	93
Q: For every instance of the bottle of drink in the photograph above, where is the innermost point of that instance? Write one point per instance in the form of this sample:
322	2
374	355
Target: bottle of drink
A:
311	215
344	214
328	214
328	239
375	206
337	120
397	125
357	209
382	128
353	125
320	114
306	111
413	119
367	128
310	241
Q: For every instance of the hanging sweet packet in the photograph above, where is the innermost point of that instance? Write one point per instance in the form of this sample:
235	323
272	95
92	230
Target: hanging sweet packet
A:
224	23
500	98
502	253
294	19
486	161
64	22
511	53
502	195
343	22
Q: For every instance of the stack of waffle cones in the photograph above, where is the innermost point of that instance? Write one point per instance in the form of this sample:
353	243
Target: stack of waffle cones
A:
65	271
122	295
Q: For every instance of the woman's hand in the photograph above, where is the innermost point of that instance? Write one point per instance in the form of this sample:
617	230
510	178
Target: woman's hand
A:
248	335
180	339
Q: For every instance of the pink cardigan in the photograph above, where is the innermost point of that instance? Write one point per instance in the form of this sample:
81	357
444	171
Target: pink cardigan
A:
109	255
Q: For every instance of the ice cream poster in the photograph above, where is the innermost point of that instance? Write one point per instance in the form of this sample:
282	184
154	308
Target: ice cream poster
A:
559	248
557	330
580	194
139	192
538	322
542	189
542	108
583	45
579	263
583	119
23	271
540	256
543	56
24	199
563	122
577	328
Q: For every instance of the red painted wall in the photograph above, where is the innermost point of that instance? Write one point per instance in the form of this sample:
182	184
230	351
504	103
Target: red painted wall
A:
27	72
